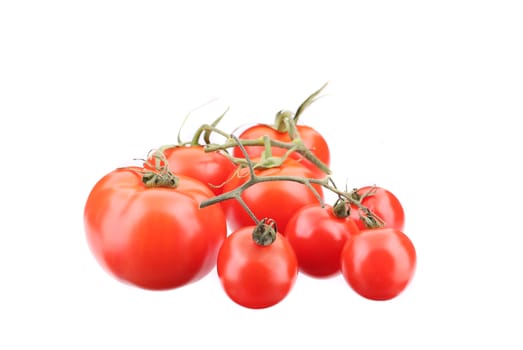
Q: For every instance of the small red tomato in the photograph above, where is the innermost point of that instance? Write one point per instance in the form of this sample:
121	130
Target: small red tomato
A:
211	168
278	200
378	264
317	236
311	138
256	276
382	203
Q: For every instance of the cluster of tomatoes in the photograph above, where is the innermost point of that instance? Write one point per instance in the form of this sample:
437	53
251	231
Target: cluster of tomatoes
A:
253	207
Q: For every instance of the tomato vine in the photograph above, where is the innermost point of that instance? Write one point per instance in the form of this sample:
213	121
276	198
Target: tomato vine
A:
165	224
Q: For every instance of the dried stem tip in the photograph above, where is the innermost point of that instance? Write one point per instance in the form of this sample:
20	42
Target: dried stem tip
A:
264	233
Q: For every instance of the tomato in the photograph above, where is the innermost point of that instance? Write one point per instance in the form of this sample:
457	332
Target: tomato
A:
311	138
211	168
382	203
256	276
278	200
378	263
317	236
153	237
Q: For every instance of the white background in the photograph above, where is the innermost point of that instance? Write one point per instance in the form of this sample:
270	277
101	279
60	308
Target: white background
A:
425	98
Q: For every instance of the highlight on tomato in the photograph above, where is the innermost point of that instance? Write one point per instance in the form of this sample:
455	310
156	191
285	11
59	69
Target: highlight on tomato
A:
278	200
146	229
256	266
211	168
378	264
382	203
317	235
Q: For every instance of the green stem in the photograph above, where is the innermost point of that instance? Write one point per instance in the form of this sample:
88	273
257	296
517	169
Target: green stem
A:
206	129
308	102
279	122
253	180
297	146
372	219
292	129
281	125
267	151
247	209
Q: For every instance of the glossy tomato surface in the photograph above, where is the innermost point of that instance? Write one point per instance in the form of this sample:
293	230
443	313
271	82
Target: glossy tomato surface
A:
379	263
256	276
384	204
278	200
153	237
311	138
317	236
211	168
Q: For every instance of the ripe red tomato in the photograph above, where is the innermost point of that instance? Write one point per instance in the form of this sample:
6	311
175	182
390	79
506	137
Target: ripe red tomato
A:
278	200
384	204
256	276
317	236
378	264
153	237
311	138
211	168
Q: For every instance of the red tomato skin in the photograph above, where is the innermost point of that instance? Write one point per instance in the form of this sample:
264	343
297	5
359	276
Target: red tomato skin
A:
211	168
278	200
152	238
384	204
311	138
378	264
256	276
317	237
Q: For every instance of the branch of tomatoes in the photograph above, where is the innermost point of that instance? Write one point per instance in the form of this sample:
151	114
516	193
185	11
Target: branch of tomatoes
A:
341	208
334	247
295	144
272	143
290	173
276	144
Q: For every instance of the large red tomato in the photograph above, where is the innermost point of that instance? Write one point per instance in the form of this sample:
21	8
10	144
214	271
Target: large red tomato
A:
153	237
378	263
278	200
317	236
253	275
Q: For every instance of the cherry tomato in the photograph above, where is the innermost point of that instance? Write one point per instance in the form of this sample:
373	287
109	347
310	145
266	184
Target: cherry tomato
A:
278	200
311	138
256	276
382	203
317	236
378	263
153	237
211	168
